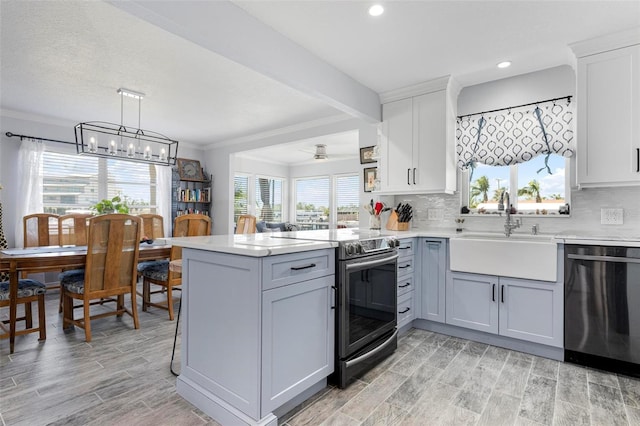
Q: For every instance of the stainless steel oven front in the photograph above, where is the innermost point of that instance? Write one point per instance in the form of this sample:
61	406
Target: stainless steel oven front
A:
366	312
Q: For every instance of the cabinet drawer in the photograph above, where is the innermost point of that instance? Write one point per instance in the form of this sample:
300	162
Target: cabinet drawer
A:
405	309
405	248
296	267
405	284
405	266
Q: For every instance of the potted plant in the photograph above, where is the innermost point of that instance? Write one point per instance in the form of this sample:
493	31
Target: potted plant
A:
114	205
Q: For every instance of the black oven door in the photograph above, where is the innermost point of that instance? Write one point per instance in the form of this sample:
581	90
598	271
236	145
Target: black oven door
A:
367	305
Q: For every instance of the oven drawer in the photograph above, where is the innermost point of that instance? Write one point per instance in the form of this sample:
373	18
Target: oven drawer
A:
406	247
405	266
296	267
405	284
406	313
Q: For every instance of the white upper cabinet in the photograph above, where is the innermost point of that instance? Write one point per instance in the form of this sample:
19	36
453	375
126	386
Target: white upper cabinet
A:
608	120
417	145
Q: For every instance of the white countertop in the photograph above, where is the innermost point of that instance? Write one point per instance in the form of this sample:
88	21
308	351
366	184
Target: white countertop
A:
256	245
271	244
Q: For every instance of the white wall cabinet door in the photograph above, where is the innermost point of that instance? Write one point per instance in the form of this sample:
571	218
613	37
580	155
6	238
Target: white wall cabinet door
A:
608	125
297	339
397	145
429	170
471	301
532	311
433	273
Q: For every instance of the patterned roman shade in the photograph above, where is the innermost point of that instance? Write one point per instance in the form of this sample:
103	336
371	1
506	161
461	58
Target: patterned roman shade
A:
510	137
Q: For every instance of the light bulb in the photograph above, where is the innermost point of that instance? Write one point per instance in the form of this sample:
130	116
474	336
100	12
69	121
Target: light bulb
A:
112	148
147	153
130	151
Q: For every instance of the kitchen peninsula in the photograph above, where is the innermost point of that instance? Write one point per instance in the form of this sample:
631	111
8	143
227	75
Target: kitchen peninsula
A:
258	324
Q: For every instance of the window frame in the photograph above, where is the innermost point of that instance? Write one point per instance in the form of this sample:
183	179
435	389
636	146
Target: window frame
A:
465	189
103	183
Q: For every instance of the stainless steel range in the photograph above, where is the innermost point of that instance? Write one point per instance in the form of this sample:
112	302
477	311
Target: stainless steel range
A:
366	312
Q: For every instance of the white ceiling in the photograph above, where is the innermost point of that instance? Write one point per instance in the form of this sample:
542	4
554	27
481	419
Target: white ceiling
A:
64	60
339	146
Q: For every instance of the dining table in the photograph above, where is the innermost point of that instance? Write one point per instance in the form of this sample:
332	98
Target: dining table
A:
54	258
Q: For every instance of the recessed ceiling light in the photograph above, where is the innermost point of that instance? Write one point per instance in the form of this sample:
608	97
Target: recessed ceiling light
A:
376	10
504	64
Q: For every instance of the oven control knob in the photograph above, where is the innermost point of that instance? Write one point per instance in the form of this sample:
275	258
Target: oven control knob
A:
358	248
350	249
393	242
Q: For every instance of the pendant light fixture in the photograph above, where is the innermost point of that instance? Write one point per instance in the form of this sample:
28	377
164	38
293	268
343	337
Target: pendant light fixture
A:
102	139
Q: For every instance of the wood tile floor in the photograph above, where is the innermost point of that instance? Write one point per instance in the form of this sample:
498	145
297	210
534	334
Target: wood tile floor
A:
122	378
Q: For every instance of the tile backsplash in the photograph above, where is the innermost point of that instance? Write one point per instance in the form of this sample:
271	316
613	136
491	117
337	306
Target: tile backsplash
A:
440	211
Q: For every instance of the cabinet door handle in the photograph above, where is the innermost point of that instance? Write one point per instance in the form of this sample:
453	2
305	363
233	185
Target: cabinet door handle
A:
405	311
404	248
638	160
408	176
493	293
335	290
405	266
414	176
298	268
406	285
502	293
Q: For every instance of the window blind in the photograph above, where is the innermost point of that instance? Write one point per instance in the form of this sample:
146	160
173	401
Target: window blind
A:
269	199
312	202
347	200
240	196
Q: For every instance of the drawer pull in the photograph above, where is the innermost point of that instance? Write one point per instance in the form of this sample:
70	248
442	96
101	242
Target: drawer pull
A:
406	285
405	311
299	268
405	266
404	248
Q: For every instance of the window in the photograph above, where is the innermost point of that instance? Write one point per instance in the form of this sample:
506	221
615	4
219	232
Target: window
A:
72	183
347	201
312	202
269	199
240	196
530	192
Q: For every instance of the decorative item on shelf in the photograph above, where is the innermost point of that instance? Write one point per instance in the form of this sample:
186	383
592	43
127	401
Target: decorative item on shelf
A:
459	222
400	217
190	170
369	154
112	140
114	205
370	179
374	210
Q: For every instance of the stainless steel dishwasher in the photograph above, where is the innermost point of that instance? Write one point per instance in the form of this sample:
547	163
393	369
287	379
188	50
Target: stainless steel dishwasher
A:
602	307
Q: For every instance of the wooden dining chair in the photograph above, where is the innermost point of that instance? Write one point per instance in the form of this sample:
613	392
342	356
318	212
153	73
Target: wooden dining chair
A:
246	224
152	226
161	274
28	291
73	229
110	271
40	229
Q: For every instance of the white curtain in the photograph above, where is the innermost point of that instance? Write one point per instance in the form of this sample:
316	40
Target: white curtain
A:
163	194
30	183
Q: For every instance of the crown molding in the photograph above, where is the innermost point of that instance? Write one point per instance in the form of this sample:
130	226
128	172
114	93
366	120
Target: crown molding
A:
606	43
434	85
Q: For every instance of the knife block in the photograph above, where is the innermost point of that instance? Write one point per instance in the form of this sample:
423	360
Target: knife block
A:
394	225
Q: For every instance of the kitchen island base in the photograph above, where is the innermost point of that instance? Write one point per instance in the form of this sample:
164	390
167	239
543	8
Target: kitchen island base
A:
257	332
226	414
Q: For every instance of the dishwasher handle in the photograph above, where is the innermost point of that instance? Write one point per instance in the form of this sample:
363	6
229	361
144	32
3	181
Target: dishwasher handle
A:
604	258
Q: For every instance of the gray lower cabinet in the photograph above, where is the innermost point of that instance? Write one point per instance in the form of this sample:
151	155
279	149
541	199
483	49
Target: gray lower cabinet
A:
433	270
297	339
405	283
257	332
523	309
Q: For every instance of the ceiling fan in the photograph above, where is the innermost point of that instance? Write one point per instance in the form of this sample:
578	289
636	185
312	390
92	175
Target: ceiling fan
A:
320	153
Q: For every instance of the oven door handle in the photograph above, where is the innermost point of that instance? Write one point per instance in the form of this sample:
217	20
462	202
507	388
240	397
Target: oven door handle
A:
368	355
371	263
604	258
